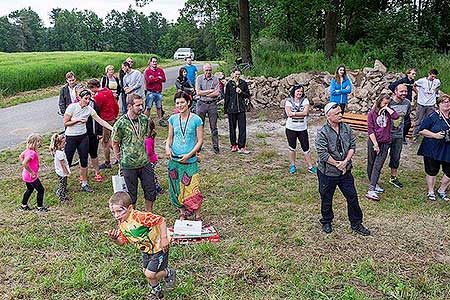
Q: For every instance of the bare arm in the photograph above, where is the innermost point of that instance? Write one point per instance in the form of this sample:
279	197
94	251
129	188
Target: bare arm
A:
169	142
433	135
102	122
25	164
68	121
197	146
116	149
164	244
63	166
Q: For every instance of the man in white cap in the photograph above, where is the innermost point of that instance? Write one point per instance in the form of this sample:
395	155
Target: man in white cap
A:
335	145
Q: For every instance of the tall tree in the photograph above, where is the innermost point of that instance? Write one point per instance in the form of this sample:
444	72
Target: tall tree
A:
331	26
244	31
29	29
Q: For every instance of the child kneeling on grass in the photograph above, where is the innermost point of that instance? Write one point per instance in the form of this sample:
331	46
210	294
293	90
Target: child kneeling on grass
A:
148	232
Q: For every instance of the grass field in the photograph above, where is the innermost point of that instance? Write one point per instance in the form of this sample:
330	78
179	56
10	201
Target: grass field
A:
271	243
20	72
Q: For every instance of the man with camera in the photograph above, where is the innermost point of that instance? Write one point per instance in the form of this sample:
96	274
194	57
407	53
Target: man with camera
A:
435	147
402	106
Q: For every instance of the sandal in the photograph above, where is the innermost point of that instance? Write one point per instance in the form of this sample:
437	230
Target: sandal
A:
431	196
442	196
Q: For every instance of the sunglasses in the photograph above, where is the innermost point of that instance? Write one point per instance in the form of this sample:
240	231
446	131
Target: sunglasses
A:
84	93
333	107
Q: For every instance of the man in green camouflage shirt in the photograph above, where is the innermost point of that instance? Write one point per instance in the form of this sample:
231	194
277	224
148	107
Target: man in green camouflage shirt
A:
128	137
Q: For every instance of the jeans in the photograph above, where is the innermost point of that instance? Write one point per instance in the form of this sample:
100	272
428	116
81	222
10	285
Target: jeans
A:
327	187
395	152
153	97
375	162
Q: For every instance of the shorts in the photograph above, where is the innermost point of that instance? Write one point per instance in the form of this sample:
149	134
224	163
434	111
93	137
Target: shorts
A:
155	262
93	146
107	133
153	97
432	166
302	136
147	176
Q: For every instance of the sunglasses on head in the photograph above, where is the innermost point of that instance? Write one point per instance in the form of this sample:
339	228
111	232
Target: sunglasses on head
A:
84	93
333	107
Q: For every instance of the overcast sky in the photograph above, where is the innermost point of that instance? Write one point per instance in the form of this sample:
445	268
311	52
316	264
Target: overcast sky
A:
168	8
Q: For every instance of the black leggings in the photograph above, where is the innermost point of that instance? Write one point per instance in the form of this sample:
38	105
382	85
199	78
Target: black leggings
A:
79	143
31	186
302	136
93	146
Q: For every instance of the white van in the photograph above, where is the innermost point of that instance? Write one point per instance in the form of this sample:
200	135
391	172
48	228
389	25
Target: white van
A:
182	53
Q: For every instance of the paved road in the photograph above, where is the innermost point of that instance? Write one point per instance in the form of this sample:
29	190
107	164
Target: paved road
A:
41	116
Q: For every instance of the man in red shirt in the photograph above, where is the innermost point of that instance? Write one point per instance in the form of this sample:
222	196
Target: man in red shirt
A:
154	78
109	110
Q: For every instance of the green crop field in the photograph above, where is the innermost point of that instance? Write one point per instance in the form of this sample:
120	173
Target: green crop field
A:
28	71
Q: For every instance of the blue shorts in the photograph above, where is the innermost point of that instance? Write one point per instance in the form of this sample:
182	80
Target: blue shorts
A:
151	98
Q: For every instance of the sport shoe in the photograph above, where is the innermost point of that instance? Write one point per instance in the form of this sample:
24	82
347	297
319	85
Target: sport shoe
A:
216	149
155	295
360	229
394	181
25	208
431	196
162	123
442	196
379	189
86	188
372	195
98	177
327	228
312	170
42	209
170	279
234	148
243	151
292	169
105	166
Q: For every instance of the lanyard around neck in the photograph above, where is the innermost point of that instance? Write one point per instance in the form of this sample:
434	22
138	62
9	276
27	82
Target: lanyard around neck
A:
183	131
137	131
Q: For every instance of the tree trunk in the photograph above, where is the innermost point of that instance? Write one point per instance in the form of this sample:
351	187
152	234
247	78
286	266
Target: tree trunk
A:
244	31
331	24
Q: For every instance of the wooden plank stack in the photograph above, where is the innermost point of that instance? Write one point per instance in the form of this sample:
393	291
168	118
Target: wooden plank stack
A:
359	122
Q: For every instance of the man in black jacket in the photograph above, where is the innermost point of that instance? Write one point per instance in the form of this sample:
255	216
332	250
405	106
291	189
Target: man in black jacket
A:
236	93
67	93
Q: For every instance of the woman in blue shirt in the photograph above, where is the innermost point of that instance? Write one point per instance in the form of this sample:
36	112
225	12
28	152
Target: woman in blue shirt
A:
435	147
340	87
184	139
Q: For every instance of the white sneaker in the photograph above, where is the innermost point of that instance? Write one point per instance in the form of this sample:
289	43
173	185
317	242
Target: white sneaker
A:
372	195
379	189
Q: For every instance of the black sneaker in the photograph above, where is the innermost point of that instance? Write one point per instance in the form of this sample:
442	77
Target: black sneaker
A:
327	228
104	166
42	209
360	229
25	208
394	181
216	149
86	188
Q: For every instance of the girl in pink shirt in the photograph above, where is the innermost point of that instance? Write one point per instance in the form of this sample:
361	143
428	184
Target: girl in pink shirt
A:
152	156
30	173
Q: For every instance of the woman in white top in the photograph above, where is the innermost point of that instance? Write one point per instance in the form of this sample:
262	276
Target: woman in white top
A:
297	110
75	119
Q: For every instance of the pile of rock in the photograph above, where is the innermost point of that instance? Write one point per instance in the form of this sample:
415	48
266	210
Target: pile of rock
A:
368	84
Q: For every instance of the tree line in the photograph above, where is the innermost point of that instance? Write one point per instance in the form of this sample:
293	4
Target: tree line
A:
214	28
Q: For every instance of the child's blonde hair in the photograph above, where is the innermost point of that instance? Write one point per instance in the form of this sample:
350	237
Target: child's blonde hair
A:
56	142
34	141
120	198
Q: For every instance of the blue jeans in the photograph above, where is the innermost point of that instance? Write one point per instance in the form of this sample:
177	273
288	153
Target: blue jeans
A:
153	97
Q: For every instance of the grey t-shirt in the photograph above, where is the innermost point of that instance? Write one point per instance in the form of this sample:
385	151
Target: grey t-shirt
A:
402	109
77	112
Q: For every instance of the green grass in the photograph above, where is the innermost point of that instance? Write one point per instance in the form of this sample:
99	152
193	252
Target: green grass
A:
271	243
25	77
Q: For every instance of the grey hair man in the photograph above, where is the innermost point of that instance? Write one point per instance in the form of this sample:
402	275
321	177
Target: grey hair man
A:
208	89
335	145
